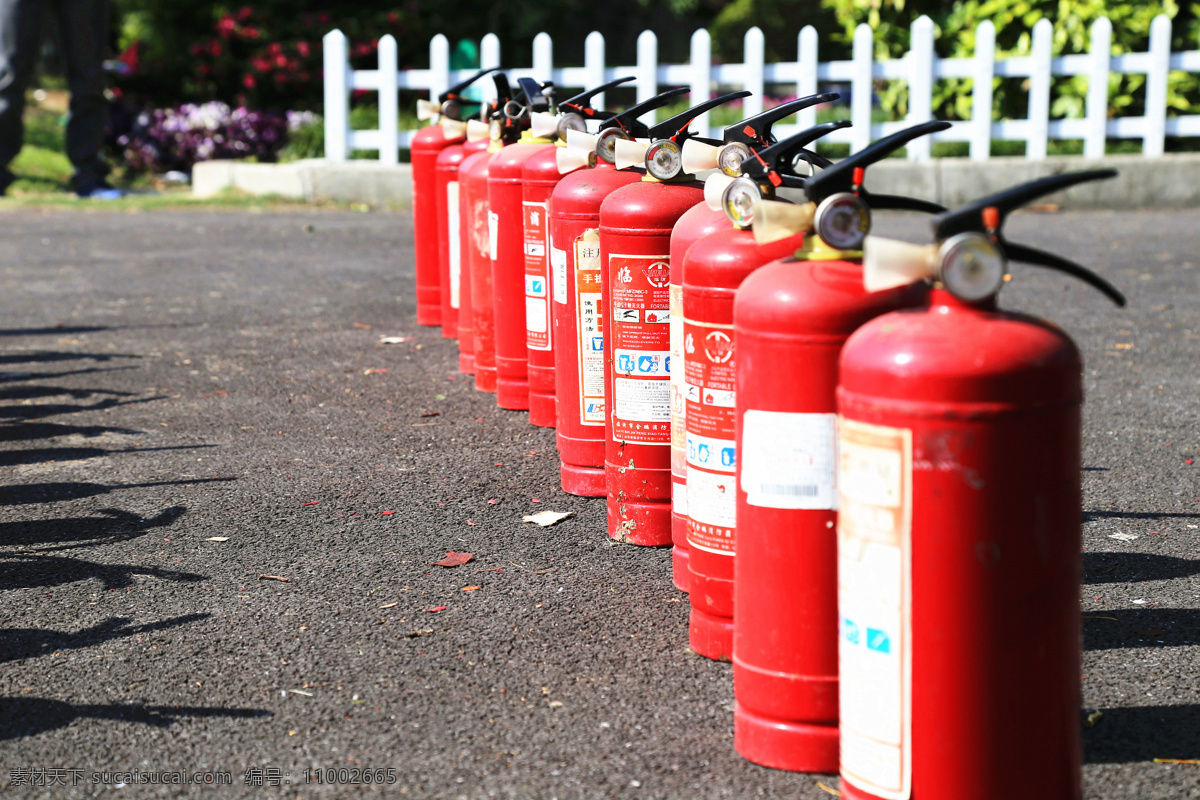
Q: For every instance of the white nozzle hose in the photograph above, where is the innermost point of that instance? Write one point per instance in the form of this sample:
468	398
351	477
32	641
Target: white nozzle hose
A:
714	187
543	125
888	263
453	127
477	130
428	109
775	220
570	158
630	153
699	156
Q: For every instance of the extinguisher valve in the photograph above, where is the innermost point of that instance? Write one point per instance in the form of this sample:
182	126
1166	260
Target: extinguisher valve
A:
448	105
664	156
971	256
573	114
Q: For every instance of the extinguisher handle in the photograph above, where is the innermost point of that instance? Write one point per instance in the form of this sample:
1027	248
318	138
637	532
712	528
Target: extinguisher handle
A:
756	130
896	202
840	177
504	91
969	218
628	121
582	102
677	125
536	98
780	157
454	91
1040	258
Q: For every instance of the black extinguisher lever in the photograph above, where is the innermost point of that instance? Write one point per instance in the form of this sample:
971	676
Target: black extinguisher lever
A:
628	122
841	176
756	131
537	95
776	164
582	102
455	91
676	128
985	217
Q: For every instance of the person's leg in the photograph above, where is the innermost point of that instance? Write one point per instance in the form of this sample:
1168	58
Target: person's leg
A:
21	26
84	27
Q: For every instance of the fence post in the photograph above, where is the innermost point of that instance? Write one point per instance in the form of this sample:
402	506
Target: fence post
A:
389	101
701	63
489	56
647	71
593	64
439	66
1097	96
754	54
1039	91
337	95
543	57
984	70
920	84
1156	86
860	88
806	85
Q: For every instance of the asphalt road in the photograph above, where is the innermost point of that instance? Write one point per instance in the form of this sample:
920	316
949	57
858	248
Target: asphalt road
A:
171	377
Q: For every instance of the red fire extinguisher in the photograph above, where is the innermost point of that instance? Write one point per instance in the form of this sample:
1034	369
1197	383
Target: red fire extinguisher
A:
740	141
578	310
635	232
540	177
425	146
959	525
790	320
474	151
445	192
509	215
473	177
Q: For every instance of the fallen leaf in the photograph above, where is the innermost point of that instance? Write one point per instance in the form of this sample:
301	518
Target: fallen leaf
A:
454	559
828	789
547	518
384	513
1123	537
310	503
362	325
492	502
262	577
471	588
556	704
535	500
300	691
217	539
389	605
436	608
1123	346
1093	716
396	339
1176	761
440	396
469	522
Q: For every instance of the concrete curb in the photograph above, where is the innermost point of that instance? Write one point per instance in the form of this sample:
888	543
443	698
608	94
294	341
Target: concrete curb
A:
1169	182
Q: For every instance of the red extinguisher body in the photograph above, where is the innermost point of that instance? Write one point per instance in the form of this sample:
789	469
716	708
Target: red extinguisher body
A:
540	177
579	324
451	256
635	250
506	215
791	319
959	556
473	186
425	146
712	271
696	223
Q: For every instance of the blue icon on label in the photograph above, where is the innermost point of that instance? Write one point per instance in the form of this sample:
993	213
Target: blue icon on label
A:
704	454
691	450
597	343
849	631
625	363
591	408
648	364
536	286
878	641
727	457
667	365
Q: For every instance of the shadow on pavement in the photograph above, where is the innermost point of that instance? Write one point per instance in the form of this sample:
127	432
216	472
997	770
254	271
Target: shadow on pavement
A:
1090	515
17	644
41	455
114	526
21	571
53	330
26	494
1140	627
1110	567
49	356
35	392
5	377
28	431
29	716
55	409
1143	733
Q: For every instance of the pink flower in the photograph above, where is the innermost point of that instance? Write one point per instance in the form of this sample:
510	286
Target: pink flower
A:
248	81
303	49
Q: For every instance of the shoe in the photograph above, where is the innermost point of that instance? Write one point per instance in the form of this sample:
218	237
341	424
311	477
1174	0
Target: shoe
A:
102	193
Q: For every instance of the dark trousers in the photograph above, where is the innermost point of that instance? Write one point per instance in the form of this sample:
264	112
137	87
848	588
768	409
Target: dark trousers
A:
84	27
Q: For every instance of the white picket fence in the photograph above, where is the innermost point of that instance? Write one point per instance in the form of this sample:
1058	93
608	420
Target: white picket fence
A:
920	68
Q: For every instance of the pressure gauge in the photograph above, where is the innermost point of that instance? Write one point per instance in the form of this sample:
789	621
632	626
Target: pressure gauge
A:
843	221
730	159
738	201
452	109
971	266
664	160
570	122
606	143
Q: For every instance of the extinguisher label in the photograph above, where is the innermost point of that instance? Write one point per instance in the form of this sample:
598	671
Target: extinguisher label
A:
874	604
678	406
589	311
454	242
558	268
788	460
537	278
708	389
493	228
641	334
